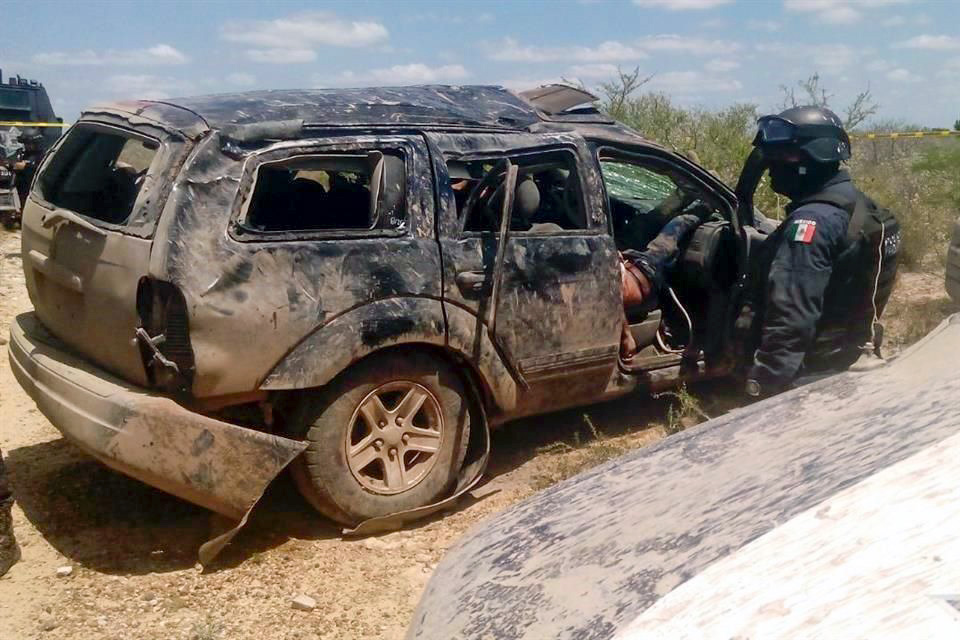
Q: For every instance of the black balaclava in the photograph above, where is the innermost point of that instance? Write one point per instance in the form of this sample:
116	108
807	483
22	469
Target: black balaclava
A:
796	180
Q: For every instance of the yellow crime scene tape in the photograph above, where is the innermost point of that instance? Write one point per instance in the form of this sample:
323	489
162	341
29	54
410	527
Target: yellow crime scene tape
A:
14	123
906	134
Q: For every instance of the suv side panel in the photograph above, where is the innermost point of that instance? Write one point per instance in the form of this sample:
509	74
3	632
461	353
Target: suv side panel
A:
252	300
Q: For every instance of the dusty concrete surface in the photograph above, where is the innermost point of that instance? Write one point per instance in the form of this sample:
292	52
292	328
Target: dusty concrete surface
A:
133	548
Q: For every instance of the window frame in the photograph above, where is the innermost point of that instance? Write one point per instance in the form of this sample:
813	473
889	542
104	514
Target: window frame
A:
241	232
646	159
593	227
144	194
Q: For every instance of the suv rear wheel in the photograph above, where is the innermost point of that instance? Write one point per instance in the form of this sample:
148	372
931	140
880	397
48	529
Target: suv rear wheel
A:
388	435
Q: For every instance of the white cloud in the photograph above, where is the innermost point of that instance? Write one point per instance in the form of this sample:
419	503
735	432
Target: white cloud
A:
902	75
681	5
917	19
509	50
837	11
878	66
300	35
146	87
601	70
159	54
304	30
721	65
453	18
400	74
524	83
832	58
692	83
950	70
715	23
933	43
770	26
241	79
684	44
282	56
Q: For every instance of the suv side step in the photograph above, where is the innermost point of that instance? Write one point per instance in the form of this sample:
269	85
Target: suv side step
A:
650	363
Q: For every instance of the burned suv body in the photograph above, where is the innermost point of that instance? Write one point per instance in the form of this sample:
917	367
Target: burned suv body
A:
373	275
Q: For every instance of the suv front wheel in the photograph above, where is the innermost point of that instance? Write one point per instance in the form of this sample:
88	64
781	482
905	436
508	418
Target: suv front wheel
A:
388	435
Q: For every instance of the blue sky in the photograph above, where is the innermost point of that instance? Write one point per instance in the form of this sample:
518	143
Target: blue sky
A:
701	52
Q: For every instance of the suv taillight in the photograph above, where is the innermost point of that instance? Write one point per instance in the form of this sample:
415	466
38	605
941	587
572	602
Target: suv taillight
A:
164	336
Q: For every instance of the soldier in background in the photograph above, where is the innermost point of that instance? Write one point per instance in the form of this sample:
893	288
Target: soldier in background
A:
30	160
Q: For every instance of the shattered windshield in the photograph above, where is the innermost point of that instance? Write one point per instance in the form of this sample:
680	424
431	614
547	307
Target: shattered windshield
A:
635	184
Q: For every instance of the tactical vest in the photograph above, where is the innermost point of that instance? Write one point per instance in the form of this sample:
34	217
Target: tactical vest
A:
862	277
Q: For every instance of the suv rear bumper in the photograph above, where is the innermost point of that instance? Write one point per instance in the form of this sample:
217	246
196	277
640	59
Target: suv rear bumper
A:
217	465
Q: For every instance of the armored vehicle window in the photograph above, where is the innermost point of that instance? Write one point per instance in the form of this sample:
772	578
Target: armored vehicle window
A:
316	193
14	99
548	196
98	173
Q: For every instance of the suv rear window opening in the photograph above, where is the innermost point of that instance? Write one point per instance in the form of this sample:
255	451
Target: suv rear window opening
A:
98	173
334	192
548	197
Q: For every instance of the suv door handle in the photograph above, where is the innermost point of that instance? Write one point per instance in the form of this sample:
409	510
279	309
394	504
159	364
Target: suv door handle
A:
472	281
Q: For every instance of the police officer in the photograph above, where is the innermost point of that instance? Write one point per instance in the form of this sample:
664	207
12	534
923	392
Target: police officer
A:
823	276
27	166
9	551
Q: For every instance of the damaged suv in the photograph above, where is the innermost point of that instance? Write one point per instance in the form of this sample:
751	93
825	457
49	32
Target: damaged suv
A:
357	281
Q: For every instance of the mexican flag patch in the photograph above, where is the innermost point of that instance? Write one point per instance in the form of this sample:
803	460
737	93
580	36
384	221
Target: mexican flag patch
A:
802	231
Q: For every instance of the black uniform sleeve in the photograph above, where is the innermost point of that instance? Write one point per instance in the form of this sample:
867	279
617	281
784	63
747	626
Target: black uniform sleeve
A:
796	283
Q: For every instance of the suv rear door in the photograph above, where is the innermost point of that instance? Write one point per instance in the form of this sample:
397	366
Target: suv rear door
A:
87	230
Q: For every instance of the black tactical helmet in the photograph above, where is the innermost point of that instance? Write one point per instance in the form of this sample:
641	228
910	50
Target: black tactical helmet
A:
815	131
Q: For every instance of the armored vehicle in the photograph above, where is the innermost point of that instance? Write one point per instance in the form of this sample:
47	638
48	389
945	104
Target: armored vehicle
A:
22	102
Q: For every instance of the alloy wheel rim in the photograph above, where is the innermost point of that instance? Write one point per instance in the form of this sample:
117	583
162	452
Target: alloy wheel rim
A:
394	438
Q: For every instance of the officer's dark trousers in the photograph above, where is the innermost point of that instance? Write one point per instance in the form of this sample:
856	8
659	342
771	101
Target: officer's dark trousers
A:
9	552
6	495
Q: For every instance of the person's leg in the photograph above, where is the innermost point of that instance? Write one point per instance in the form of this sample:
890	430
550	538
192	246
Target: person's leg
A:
662	252
9	551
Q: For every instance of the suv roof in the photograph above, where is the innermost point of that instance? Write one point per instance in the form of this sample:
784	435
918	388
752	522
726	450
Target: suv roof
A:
474	106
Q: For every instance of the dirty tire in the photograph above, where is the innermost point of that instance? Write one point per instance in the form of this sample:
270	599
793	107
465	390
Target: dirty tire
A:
330	416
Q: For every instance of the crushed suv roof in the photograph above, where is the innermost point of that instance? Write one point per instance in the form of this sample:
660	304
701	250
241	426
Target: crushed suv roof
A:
424	105
456	105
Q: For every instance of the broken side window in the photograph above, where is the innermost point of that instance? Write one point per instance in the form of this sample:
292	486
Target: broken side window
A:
330	192
98	172
548	195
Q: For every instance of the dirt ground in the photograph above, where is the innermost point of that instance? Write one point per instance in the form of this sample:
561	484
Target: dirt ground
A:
132	548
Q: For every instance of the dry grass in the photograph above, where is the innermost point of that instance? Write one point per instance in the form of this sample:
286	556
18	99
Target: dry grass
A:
918	304
589	447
